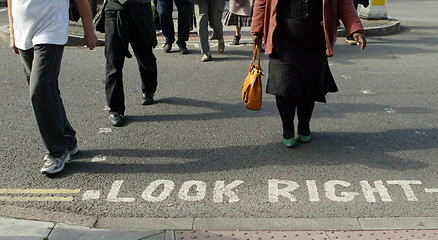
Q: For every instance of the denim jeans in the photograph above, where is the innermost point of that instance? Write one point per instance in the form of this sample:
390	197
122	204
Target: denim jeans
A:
41	67
165	9
115	59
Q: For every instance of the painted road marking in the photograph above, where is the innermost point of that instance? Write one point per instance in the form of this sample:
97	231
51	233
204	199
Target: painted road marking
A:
36	199
98	158
431	190
38	191
10	191
105	130
278	190
91	195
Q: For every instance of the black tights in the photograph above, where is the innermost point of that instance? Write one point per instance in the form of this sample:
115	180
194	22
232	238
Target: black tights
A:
286	107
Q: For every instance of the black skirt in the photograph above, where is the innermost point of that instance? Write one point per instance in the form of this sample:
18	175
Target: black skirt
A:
300	66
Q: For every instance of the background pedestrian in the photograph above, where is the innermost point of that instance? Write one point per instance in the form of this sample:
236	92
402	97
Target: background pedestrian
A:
165	9
129	23
239	15
209	11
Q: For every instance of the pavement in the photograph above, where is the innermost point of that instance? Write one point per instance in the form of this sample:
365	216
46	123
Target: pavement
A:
17	226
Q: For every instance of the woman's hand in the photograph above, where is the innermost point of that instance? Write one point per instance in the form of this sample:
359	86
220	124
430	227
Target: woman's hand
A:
360	40
257	38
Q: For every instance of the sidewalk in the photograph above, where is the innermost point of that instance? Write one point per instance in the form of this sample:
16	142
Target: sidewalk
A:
26	229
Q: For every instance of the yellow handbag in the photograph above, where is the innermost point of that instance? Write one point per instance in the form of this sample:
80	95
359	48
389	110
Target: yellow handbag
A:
252	86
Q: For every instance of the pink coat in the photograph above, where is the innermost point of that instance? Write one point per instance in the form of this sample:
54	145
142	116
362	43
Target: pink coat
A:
264	21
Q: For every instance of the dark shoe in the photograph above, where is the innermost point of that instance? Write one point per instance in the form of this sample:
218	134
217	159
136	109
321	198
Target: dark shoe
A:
167	47
221	46
183	50
116	119
147	99
236	40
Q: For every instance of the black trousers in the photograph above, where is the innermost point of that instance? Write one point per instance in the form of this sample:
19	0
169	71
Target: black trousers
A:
115	59
304	108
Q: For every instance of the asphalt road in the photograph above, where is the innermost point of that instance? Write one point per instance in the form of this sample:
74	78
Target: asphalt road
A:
199	153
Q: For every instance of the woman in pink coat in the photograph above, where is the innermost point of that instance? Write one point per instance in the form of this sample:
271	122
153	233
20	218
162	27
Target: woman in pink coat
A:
299	35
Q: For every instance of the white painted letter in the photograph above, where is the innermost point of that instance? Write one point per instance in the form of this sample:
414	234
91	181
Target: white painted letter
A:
168	187
313	190
369	191
406	188
220	189
330	191
112	195
275	191
201	189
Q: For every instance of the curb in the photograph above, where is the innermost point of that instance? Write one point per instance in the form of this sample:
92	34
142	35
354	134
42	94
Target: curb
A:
393	26
222	224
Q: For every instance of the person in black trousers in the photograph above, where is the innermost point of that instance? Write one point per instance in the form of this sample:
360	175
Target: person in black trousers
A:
130	22
165	9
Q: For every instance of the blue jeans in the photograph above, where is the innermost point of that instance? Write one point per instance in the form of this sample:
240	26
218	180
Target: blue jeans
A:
165	9
41	67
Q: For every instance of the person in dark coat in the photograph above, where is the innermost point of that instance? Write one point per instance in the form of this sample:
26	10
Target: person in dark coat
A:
298	36
129	22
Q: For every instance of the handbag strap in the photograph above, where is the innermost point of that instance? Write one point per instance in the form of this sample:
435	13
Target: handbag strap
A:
255	53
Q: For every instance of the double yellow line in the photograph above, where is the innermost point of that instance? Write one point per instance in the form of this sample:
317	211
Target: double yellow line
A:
5	191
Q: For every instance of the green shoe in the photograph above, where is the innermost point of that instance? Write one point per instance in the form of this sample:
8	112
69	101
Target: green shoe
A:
289	142
305	139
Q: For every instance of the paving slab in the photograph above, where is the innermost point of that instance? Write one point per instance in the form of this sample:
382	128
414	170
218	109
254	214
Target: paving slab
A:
399	223
149	224
23	229
276	224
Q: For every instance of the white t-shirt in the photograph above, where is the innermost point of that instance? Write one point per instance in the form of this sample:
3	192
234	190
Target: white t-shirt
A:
40	22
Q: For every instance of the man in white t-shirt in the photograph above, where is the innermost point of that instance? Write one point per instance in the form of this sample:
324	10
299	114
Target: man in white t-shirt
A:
38	32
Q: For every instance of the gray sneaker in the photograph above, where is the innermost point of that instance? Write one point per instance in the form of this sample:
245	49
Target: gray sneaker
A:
54	165
73	151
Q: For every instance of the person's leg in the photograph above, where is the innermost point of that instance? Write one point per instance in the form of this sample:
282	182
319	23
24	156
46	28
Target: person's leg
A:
46	100
165	9
201	13
115	58
286	107
184	13
304	111
147	63
216	12
238	30
236	40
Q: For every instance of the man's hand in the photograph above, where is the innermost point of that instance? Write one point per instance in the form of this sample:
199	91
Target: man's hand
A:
360	40
90	39
12	44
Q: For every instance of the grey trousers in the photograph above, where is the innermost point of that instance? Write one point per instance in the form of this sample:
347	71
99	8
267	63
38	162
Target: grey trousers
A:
209	11
42	65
